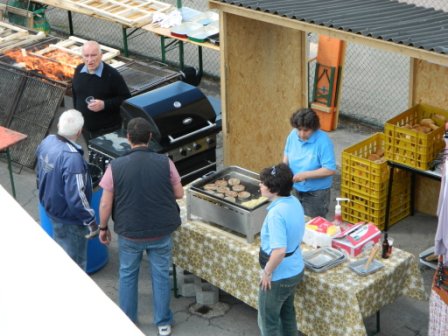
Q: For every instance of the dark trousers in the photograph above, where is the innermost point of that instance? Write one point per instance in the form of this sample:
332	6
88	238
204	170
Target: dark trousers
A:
92	134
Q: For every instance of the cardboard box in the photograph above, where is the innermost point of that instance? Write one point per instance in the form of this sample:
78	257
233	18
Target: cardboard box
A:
361	236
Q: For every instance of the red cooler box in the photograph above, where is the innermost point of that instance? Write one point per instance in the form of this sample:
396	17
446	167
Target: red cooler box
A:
357	238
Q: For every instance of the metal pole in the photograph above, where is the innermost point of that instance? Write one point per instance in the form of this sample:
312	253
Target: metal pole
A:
11	177
162	48
181	54
200	59
125	41
70	22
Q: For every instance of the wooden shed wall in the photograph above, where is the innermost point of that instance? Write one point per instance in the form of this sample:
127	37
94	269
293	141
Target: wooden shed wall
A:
263	81
429	85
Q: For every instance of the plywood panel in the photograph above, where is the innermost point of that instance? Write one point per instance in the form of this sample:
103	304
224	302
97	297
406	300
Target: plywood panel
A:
264	82
430	84
426	195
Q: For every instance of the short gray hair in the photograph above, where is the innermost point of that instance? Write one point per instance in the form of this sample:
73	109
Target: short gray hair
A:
70	123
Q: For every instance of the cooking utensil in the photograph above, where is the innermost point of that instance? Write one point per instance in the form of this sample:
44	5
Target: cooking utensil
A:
372	254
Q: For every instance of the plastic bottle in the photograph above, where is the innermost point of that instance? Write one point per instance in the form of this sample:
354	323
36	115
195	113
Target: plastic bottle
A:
338	211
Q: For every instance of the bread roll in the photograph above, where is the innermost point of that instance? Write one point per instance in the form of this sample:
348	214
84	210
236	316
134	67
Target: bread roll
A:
426	122
439	119
434	127
380	152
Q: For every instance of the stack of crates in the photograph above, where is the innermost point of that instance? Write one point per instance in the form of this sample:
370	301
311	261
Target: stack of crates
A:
365	182
412	148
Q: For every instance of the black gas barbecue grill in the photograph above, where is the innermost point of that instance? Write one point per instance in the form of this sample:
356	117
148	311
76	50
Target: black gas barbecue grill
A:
184	126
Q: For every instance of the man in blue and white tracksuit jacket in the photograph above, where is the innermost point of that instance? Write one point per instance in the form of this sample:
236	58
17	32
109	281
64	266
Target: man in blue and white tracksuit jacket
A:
65	187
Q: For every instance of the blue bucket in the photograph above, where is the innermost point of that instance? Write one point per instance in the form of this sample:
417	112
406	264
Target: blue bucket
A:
97	253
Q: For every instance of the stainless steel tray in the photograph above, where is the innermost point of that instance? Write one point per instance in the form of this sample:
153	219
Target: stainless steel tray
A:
358	266
423	255
248	178
236	216
323	259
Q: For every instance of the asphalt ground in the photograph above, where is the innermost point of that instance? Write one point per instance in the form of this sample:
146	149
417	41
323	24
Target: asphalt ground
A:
232	317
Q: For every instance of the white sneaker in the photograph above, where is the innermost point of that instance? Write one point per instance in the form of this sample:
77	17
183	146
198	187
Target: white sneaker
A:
165	330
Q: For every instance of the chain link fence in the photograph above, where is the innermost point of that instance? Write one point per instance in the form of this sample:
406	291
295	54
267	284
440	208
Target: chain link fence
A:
375	86
436	4
140	42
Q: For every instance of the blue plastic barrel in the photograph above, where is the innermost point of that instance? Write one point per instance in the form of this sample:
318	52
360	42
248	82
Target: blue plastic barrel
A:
97	253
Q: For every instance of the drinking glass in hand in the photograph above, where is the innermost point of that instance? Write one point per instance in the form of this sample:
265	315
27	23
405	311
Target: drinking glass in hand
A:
89	99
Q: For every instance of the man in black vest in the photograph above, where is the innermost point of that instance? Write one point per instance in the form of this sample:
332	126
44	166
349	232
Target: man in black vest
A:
140	192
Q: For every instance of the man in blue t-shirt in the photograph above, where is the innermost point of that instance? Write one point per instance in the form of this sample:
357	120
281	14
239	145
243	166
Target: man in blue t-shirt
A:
309	152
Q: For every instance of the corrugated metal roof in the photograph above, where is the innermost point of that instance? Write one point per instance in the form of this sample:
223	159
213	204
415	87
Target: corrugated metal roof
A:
407	24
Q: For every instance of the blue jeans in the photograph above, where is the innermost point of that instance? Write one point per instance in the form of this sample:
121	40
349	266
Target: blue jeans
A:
71	238
159	256
276	313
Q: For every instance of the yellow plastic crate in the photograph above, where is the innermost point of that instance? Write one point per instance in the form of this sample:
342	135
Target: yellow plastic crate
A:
396	215
373	209
357	168
413	148
376	203
362	175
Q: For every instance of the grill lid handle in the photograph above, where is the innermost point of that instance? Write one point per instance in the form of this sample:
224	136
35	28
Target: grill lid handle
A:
174	140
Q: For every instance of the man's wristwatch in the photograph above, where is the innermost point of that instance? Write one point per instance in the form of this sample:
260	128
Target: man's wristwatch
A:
103	228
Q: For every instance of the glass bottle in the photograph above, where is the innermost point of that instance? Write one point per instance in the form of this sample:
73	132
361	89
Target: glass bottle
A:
385	247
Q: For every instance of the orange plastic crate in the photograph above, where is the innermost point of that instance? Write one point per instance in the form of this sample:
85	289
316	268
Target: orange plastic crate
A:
413	148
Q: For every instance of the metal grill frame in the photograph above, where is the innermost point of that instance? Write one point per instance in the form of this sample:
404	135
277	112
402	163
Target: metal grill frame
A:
31	112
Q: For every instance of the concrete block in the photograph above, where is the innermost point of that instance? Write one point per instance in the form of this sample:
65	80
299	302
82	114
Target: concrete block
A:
206	294
185	283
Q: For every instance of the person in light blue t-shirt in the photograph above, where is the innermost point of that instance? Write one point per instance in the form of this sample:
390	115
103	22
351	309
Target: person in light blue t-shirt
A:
309	152
280	254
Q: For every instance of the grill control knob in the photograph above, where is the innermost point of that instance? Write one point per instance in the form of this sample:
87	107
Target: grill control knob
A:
196	146
183	151
210	141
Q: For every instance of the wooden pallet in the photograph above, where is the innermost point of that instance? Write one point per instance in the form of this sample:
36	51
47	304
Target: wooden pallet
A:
12	36
133	13
73	46
9	32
